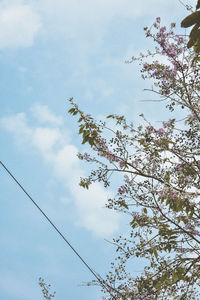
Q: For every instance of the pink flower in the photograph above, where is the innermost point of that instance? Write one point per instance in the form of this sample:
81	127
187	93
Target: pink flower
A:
166	124
150	128
121	189
178	168
162	193
134	163
196	232
84	156
136	215
108	288
148	33
163	29
120	286
121	164
160	131
174	195
187	226
182	250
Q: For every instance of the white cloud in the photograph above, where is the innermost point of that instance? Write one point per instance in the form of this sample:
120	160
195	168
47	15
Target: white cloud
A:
86	22
17	125
44	115
45	138
19	25
55	149
91	206
82	21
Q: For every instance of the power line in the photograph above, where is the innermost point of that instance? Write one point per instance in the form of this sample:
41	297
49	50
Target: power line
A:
101	281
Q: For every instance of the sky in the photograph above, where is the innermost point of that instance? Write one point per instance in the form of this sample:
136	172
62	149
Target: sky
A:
51	51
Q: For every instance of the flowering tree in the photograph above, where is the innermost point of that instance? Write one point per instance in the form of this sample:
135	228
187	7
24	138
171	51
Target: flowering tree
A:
160	173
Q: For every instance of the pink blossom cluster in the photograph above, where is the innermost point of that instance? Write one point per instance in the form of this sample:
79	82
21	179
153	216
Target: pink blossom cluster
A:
172	194
193	116
190	227
159	131
172	46
147	157
182	250
196	232
108	155
143	297
150	128
166	124
128	180
162	37
135	163
103	151
179	168
122	189
136	215
83	156
161	72
188	178
121	164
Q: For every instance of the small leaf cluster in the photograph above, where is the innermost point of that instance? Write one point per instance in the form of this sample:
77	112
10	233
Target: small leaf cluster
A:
46	289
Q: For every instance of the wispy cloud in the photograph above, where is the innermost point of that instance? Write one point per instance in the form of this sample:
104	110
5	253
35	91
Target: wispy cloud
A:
88	17
52	143
19	25
44	115
85	21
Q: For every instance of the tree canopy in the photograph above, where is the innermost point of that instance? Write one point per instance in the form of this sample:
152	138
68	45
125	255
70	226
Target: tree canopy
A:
159	168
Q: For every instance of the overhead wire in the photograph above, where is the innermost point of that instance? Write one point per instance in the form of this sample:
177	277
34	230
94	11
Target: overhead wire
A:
101	281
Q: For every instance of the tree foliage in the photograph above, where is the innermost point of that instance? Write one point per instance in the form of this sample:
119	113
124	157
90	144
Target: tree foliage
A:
193	19
160	173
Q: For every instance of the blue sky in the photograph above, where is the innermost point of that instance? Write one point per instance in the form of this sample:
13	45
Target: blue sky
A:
51	51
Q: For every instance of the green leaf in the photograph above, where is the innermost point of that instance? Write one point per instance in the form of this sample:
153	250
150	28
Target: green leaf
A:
91	141
167	177
169	247
197	46
191	42
85	139
71	110
122	203
175	276
145	210
194	37
80	119
142	141
192	19
155	253
198	4
194	32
